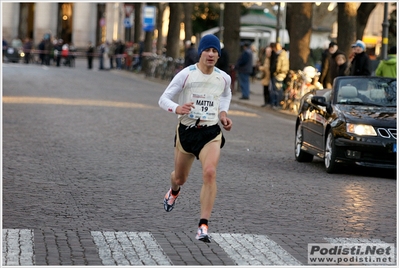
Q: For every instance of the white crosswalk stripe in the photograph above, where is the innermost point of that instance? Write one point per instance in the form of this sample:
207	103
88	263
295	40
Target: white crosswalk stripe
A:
18	247
247	249
129	248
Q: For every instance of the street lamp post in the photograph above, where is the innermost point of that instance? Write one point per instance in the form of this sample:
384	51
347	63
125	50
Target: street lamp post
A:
385	25
221	18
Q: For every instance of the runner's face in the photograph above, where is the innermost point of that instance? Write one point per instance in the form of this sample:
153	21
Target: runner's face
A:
209	57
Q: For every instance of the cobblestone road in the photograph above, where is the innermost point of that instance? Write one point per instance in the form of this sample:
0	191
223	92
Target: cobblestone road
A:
86	160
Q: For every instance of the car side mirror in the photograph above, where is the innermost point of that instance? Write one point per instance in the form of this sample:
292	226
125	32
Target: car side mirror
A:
321	101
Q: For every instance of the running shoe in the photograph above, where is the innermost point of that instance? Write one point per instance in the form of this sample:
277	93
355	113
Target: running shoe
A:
202	234
169	200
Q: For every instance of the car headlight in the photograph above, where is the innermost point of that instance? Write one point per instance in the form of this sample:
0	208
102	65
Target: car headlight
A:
359	129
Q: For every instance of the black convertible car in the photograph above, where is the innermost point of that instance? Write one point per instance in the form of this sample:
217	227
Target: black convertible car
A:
352	123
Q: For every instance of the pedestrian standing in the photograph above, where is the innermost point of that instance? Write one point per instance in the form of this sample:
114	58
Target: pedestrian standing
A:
101	51
119	51
265	68
71	55
223	61
57	52
5	47
111	54
204	99
89	54
328	66
387	68
27	49
49	49
244	69
282	67
342	64
65	54
106	61
361	64
190	55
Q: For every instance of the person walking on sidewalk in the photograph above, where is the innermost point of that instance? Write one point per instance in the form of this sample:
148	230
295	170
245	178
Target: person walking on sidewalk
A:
244	69
204	100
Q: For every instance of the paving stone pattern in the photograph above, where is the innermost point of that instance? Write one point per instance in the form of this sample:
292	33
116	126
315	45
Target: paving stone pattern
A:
87	156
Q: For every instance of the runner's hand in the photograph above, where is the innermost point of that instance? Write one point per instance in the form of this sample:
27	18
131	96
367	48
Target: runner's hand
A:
185	109
227	123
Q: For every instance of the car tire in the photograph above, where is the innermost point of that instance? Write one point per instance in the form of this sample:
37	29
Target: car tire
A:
330	154
300	155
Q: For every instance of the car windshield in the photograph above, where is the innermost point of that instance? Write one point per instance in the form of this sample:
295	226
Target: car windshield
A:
370	91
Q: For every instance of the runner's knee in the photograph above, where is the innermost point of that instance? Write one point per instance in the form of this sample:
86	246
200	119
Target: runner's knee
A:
209	174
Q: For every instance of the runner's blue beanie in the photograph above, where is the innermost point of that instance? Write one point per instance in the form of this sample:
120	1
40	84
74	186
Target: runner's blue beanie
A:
209	41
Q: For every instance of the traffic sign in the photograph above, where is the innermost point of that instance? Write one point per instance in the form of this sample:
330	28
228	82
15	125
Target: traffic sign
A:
149	18
127	23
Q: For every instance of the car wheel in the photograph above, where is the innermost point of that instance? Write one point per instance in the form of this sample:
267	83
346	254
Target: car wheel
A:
330	154
300	155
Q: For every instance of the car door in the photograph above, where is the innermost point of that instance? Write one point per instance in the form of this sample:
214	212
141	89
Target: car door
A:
314	124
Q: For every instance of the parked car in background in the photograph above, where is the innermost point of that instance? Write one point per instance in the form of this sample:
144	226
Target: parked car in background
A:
13	54
352	123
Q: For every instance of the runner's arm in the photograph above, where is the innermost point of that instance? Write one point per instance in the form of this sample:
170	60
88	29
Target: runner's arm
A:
174	88
225	98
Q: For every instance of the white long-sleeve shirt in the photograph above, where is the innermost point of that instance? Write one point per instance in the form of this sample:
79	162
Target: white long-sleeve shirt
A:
211	94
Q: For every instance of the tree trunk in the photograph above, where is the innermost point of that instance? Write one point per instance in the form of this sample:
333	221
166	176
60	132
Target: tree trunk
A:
137	22
363	14
347	13
173	38
299	27
231	34
188	20
160	41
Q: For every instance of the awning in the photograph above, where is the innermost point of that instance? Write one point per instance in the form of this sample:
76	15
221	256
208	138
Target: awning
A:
371	40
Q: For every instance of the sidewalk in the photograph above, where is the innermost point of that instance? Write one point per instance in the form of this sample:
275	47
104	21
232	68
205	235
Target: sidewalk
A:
256	98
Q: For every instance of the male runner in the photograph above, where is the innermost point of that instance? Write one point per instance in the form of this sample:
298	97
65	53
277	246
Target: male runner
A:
204	100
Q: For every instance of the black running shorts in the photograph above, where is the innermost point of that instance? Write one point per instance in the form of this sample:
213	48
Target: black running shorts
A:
193	139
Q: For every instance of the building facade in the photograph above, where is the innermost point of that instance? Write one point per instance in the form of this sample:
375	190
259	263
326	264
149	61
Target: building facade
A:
81	22
78	22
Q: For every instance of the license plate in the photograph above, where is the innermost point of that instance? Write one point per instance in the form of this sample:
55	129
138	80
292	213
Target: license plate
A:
394	148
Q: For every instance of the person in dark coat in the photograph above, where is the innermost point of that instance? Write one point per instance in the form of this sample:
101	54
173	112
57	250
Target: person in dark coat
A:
119	51
89	54
361	63
58	50
343	66
223	61
244	69
27	46
328	66
190	56
273	58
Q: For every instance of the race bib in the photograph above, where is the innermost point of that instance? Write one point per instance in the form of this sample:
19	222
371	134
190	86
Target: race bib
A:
206	107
